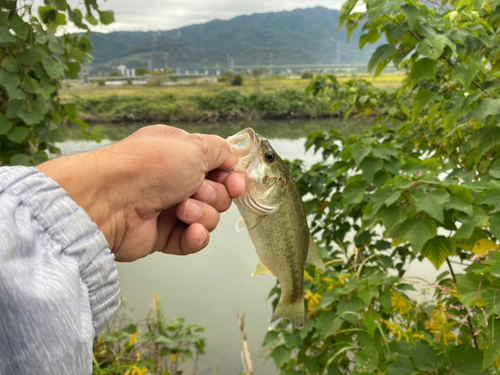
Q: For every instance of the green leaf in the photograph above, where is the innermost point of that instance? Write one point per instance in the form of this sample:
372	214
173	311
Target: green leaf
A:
106	16
52	67
411	14
486	107
438	249
468	287
359	152
6	38
485	138
492	352
18	134
9	79
20	159
403	366
39	157
19	26
5	124
281	355
495	169
271	340
423	69
367	359
328	324
91	19
495	225
466	360
382	53
10	64
392	216
465	73
427	359
370	166
15	93
421	99
460	199
327	299
418	232
27	57
354	193
31	114
432	202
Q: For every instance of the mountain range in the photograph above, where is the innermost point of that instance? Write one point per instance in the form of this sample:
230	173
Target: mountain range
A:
301	36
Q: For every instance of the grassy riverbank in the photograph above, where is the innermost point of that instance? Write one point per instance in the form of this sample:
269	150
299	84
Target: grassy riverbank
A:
270	99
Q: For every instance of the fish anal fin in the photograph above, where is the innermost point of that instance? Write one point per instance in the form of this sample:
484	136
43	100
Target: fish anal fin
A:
261	269
313	255
293	311
240	224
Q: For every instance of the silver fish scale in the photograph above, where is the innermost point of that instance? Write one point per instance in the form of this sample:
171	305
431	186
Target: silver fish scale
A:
281	241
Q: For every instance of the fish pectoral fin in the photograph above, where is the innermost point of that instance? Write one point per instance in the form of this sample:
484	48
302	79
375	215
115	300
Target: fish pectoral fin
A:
240	224
261	269
313	255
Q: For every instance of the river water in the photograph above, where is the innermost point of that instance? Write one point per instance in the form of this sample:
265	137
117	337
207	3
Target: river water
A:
210	287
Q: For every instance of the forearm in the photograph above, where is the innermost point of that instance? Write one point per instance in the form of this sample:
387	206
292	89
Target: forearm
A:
58	281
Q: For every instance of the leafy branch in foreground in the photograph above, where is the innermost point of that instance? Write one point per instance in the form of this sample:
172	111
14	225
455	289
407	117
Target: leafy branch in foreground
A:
428	187
155	347
34	62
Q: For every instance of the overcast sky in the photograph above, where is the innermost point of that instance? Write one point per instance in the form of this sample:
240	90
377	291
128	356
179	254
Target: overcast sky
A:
142	15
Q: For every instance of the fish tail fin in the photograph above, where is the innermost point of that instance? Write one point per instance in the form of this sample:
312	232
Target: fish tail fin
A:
293	311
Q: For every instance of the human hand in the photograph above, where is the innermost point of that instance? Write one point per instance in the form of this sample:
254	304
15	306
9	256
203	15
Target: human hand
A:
160	189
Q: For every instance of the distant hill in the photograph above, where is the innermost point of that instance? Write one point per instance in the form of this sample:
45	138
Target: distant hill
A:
302	36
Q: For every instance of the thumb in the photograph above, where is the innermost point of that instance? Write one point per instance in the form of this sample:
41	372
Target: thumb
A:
218	155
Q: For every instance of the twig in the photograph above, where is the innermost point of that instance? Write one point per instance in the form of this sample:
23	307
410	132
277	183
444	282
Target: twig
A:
468	317
245	355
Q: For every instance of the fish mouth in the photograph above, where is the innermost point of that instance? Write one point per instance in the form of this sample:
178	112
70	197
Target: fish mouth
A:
244	145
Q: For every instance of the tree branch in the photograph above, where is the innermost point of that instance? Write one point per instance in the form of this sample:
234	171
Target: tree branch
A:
468	317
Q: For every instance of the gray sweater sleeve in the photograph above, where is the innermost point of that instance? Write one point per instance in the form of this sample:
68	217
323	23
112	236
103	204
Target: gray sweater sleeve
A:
58	281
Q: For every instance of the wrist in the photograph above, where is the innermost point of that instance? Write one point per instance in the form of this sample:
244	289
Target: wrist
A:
83	177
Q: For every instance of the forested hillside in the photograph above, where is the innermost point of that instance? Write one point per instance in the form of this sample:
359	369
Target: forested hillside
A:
302	36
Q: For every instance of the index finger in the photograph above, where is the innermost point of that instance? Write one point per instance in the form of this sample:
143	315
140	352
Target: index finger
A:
217	153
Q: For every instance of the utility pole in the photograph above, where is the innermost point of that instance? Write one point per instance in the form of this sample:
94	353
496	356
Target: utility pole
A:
270	63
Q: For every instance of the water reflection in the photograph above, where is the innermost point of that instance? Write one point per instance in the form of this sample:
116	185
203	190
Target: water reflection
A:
208	288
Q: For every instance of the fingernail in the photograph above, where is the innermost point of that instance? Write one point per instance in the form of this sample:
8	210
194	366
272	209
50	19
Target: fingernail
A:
203	236
206	193
192	210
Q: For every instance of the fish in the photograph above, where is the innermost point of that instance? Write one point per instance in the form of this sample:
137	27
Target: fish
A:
272	211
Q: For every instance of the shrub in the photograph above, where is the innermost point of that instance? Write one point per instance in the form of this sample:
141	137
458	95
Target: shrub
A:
237	80
427	189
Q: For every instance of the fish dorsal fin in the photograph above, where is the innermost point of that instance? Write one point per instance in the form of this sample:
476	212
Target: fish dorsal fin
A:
313	256
261	269
240	224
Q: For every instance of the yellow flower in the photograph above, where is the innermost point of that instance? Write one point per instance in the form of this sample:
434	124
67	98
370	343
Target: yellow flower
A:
133	338
307	277
137	371
399	303
156	301
418	336
172	357
138	356
439	324
312	301
394	328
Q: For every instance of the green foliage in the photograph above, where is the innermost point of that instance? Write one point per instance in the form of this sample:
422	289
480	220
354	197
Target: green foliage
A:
33	63
141	70
427	188
237	80
163	347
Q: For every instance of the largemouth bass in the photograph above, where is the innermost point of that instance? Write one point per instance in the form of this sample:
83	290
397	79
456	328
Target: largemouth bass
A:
272	211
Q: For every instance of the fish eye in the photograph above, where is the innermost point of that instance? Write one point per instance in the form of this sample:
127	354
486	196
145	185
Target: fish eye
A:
269	155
